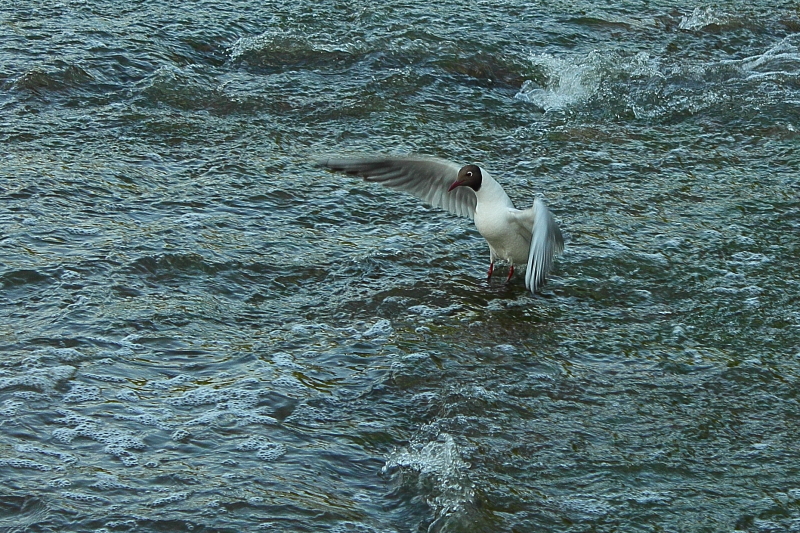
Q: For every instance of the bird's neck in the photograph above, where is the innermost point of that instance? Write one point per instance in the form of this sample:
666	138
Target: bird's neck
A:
492	194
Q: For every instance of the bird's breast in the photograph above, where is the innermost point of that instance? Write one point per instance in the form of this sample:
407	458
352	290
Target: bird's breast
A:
500	230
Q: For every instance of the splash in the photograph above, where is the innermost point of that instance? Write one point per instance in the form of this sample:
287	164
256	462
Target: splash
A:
567	82
440	474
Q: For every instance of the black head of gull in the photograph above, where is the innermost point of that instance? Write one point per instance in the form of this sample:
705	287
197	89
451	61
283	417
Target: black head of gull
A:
469	176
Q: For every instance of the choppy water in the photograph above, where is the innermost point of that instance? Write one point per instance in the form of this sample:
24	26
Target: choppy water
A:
202	332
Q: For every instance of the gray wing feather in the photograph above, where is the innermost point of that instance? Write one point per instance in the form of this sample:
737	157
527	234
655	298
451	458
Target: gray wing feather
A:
546	243
427	178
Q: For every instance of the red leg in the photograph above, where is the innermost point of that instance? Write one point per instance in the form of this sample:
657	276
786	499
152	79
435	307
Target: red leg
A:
510	273
491	269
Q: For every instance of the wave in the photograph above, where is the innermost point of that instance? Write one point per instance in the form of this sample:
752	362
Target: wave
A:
40	81
174	265
190	90
16	278
280	50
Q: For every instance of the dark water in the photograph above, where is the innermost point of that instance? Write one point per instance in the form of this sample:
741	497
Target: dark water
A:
202	332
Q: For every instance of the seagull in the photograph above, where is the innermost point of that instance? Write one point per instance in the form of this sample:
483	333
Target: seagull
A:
529	237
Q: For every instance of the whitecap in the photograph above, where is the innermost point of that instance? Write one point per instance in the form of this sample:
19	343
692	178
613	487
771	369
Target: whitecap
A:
700	18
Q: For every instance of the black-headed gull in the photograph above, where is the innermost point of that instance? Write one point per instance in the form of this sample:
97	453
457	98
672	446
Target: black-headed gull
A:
530	236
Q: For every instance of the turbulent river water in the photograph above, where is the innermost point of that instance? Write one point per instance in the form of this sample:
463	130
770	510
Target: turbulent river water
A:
202	331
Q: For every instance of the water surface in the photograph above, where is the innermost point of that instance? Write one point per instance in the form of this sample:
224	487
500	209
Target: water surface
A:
200	331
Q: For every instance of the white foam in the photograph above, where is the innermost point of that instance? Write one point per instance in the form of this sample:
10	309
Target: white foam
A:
109	482
41	379
181	435
117	443
24	464
429	312
381	328
126	395
309	329
62	456
586	505
284	360
176	381
10	407
749	258
241	404
67	355
146	419
192	220
83	497
80	393
283	43
506	348
265	450
172	498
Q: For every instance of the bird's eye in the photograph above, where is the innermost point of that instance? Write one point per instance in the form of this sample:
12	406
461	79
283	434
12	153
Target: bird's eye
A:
469	174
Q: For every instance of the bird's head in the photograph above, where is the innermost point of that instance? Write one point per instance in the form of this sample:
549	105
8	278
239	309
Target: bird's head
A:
470	176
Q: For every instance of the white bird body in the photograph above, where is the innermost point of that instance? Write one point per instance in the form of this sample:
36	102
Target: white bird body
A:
528	237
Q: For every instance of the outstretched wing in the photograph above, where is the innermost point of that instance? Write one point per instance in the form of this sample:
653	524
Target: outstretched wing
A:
427	178
546	243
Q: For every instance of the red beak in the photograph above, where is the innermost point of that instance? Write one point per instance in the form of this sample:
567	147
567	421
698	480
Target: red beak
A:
457	183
